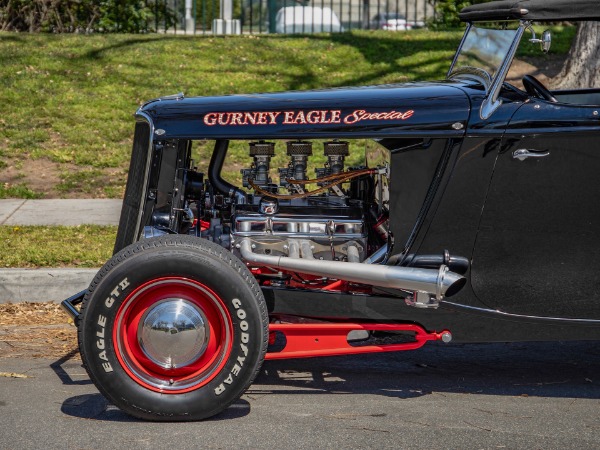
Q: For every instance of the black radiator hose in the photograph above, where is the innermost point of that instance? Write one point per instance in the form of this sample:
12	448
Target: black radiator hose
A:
214	172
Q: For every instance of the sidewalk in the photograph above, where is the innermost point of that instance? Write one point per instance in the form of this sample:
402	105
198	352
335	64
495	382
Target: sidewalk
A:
68	212
48	284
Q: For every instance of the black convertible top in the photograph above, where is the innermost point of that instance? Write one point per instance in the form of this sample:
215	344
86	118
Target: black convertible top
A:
549	10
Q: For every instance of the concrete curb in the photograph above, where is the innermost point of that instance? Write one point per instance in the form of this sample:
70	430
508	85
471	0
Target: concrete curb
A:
68	212
50	284
42	285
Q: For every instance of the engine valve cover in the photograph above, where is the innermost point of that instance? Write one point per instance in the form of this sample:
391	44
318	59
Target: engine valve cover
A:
328	228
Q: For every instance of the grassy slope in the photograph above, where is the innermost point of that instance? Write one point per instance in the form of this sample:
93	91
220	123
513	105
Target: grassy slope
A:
69	99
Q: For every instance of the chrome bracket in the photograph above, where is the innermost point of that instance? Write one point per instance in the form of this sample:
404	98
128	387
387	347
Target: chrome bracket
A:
422	300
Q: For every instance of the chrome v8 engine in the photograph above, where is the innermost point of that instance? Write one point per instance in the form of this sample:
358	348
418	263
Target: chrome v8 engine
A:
333	232
327	224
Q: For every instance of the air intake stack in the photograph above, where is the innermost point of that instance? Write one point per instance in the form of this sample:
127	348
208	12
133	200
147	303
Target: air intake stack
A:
261	152
298	151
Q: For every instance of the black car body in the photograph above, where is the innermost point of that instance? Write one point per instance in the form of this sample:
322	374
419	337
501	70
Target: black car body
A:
473	219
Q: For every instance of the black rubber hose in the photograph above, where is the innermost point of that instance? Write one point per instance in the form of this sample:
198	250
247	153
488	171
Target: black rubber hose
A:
214	172
458	264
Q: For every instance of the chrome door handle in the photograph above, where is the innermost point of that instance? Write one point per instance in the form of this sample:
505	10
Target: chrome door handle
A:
522	154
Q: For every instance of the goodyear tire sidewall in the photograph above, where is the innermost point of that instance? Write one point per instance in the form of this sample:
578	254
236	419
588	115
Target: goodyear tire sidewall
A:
99	349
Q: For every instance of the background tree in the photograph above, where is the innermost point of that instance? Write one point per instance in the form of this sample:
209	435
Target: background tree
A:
69	16
446	12
582	66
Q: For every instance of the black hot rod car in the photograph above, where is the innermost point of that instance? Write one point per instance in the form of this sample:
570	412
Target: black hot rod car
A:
471	219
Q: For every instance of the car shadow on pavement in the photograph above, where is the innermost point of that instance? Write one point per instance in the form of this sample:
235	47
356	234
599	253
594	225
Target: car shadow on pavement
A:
547	369
61	372
97	407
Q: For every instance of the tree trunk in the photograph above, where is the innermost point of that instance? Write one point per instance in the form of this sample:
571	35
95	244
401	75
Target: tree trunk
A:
582	67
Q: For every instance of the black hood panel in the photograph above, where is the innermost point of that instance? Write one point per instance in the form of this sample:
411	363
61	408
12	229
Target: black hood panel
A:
415	109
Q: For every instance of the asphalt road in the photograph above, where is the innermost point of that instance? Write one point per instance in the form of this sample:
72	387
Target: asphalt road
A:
534	396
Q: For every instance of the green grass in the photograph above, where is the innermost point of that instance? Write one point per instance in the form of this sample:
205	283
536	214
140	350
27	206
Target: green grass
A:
37	246
91	181
70	98
17	191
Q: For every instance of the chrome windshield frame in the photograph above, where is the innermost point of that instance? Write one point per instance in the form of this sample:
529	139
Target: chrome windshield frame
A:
491	101
460	46
493	87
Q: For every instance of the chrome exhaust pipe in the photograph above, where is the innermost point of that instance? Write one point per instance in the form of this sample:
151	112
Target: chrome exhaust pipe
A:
440	283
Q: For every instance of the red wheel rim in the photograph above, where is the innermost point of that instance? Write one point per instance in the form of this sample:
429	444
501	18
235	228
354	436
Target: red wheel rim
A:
193	374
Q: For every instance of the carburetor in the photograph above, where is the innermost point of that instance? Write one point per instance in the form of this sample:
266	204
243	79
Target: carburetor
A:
327	226
336	152
298	151
261	152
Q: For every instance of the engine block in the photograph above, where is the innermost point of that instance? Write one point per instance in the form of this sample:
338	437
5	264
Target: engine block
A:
330	230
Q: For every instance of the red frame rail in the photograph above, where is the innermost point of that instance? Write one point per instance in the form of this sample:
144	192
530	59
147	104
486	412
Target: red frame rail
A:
309	340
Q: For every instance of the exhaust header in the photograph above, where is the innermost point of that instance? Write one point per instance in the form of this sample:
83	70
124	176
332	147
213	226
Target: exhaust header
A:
436	282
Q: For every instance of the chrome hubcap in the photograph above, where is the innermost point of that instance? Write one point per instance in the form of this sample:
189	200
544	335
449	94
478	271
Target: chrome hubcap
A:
173	333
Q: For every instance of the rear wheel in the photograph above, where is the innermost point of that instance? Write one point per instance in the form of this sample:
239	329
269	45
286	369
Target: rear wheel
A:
173	328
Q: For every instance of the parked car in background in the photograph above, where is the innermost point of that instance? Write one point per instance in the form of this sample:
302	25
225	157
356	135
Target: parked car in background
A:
393	21
390	21
307	19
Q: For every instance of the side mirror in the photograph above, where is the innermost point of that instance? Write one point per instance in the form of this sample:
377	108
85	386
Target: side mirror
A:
546	41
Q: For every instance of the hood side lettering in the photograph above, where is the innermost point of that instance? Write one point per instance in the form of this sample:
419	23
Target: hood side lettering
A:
360	115
312	117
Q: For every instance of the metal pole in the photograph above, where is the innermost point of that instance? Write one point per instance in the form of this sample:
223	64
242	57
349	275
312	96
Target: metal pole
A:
415	21
272	13
214	12
176	17
259	17
165	16
227	9
190	22
243	18
156	16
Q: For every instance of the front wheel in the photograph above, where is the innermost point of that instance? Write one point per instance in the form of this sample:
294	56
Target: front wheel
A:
173	328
